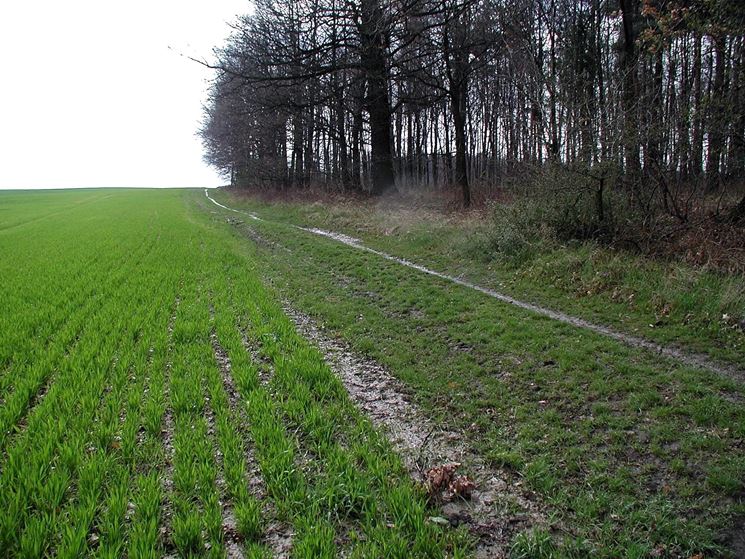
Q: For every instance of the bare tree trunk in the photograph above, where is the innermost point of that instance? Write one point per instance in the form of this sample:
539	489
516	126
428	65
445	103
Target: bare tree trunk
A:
297	148
458	101
683	146
736	163
309	153
357	123
341	134
448	153
629	69
697	146
373	38
654	133
455	63
716	135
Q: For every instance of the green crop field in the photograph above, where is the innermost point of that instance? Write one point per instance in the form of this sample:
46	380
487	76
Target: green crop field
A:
156	401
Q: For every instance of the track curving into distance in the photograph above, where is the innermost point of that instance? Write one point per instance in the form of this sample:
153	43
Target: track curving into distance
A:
682	356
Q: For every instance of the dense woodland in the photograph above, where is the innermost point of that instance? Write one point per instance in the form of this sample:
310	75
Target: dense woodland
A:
643	98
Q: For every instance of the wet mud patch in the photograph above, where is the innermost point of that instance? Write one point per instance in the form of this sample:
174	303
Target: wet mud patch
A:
494	509
734	537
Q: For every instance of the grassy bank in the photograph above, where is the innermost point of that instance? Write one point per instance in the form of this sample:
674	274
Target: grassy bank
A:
667	302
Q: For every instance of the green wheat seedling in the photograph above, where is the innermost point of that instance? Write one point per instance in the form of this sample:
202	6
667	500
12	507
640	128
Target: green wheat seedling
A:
247	509
105	442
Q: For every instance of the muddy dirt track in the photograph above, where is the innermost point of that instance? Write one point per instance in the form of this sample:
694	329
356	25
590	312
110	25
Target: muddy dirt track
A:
677	354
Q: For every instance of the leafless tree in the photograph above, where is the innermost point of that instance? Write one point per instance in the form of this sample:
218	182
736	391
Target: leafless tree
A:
375	94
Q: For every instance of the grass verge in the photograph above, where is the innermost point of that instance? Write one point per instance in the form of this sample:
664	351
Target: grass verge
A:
666	302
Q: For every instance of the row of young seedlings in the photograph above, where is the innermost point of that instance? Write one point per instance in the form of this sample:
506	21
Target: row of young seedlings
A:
25	383
209	445
150	526
239	421
63	478
244	515
40	293
59	467
139	523
122	521
276	449
194	499
45	288
145	501
75	461
94	524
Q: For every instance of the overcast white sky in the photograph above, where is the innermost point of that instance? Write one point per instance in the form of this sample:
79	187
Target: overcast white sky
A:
91	94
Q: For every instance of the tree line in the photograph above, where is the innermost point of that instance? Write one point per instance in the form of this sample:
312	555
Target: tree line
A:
369	95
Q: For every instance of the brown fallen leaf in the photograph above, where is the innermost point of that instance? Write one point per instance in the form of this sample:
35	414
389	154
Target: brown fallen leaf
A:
439	477
462	486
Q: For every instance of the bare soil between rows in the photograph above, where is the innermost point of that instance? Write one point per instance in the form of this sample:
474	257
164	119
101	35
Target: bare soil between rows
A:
277	535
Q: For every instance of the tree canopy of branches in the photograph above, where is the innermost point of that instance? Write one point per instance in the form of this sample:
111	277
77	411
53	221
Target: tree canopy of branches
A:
370	95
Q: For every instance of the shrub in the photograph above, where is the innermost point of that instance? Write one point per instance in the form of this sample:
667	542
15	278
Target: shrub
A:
557	204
